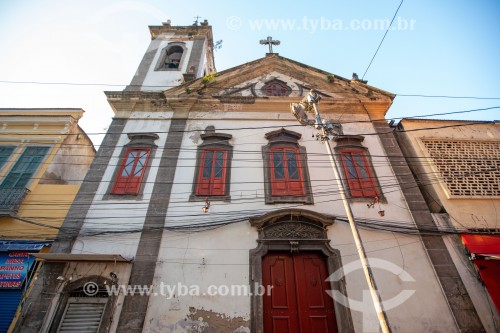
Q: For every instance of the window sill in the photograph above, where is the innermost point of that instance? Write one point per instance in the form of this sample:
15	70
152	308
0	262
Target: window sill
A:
111	196
196	198
381	200
307	200
167	70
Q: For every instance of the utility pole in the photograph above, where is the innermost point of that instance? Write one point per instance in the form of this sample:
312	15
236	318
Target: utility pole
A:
299	110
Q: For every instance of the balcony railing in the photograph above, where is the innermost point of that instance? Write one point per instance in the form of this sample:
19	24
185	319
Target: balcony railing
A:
11	199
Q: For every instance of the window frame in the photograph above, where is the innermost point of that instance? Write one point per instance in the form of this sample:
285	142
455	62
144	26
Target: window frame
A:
352	144
58	310
212	180
160	65
6	161
363	186
285	140
272	84
84	300
31	174
137	141
213	142
125	182
286	181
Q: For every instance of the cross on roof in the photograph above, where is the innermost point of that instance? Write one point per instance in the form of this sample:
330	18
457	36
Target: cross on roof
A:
269	41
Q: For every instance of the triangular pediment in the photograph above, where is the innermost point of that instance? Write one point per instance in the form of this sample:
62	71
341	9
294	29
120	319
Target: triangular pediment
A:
281	79
271	84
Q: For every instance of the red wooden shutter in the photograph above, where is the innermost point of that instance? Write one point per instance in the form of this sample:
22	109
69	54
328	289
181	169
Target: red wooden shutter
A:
294	172
212	173
351	175
205	173
286	172
365	175
129	178
219	173
278	176
359	174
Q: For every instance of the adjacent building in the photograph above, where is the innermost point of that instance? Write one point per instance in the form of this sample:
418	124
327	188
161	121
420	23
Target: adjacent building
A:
44	156
209	208
457	166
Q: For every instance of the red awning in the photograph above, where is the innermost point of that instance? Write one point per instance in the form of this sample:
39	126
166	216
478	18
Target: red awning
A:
489	270
484	245
486	250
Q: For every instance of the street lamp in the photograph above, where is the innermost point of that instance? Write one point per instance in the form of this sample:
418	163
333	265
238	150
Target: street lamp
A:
300	110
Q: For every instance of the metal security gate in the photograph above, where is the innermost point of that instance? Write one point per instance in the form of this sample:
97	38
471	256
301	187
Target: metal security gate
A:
9	301
83	315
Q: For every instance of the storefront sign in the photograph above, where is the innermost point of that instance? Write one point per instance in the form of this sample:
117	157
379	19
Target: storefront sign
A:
14	266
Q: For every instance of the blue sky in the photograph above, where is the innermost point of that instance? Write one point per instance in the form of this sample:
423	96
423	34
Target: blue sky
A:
435	47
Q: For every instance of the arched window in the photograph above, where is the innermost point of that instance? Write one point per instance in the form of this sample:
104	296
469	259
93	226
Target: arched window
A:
80	309
171	57
83	311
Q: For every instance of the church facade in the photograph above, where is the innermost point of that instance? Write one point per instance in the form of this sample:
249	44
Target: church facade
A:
209	208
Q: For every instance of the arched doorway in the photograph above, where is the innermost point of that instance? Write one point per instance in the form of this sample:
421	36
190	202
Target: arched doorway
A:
294	258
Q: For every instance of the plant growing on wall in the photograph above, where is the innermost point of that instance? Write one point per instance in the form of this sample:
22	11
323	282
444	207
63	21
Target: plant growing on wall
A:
208	79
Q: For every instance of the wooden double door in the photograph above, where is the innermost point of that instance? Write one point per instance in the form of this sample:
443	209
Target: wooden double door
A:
298	302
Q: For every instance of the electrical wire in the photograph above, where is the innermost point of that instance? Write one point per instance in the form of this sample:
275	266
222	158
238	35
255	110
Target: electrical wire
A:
224	222
171	86
467	123
383	38
386	225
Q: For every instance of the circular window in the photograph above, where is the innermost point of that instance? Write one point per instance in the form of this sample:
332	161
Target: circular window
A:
276	88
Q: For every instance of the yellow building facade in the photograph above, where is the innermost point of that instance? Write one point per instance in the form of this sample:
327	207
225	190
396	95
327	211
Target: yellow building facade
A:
44	156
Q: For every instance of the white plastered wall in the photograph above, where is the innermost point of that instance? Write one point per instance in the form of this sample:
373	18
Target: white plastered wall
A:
220	256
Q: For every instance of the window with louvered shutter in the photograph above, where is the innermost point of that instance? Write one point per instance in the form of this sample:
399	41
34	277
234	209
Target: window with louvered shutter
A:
82	315
5	152
25	167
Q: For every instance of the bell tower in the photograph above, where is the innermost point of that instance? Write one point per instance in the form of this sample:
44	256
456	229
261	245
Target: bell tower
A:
176	54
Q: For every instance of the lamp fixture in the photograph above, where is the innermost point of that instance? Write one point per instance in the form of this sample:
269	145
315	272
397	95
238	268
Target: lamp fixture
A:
205	208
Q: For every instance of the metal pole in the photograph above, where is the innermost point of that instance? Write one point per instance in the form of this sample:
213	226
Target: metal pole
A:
377	302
